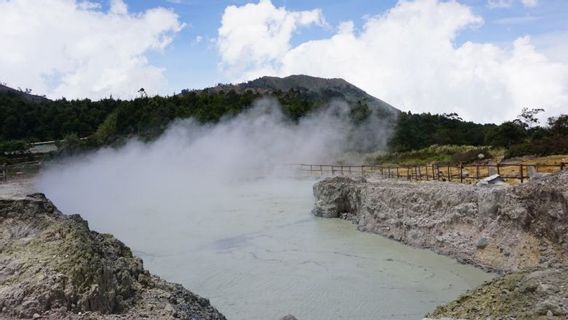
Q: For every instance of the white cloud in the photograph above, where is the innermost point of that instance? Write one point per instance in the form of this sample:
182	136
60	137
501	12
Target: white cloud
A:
408	56
259	34
74	49
509	3
197	40
118	7
554	45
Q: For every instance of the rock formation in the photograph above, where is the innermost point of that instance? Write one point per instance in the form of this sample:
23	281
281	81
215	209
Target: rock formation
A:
501	228
522	230
52	266
523	295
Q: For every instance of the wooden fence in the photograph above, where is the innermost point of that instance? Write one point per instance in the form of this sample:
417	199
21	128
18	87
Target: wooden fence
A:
471	173
510	172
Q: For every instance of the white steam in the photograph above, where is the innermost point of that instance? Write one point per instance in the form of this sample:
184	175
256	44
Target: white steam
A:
198	161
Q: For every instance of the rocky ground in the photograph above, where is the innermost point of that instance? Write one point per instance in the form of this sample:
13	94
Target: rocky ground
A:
519	230
539	293
52	266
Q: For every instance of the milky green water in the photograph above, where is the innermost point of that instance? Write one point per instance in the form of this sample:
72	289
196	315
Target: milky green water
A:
256	252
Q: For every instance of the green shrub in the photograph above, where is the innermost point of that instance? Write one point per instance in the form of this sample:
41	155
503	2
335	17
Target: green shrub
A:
439	153
11	146
471	155
541	147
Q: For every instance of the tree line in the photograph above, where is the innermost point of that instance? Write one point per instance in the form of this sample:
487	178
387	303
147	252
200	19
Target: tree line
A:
110	120
521	136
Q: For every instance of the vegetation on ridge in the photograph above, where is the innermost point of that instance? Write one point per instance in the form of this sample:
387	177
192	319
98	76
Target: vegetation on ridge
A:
415	136
423	138
440	154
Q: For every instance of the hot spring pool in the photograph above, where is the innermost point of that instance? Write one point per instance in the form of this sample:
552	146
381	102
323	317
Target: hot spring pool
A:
256	252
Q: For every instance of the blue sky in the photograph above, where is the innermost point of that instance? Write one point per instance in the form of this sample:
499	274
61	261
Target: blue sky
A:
485	59
195	65
190	64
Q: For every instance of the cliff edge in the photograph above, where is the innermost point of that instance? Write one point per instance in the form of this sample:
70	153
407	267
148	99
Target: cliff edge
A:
52	266
521	231
501	228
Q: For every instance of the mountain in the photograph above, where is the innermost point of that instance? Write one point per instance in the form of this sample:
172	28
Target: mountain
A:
23	94
313	88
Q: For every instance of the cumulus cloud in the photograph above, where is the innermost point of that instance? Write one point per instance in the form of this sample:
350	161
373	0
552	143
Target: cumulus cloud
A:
75	49
409	57
255	35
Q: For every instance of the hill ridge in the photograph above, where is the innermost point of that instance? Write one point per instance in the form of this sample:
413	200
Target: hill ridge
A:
25	95
320	87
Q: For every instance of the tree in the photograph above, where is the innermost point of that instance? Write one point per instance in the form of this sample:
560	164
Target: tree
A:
507	134
559	125
10	127
528	117
452	116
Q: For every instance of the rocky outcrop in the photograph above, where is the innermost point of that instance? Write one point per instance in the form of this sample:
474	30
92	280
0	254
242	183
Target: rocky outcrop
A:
52	266
501	228
523	229
523	295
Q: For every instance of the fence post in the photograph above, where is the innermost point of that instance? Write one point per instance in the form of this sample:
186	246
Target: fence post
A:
449	174
521	171
498	170
397	175
461	172
477	171
562	166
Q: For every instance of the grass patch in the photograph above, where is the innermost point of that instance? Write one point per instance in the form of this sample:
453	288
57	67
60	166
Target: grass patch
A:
439	154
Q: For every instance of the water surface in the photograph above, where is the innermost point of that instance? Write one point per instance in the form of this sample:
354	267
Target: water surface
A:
256	252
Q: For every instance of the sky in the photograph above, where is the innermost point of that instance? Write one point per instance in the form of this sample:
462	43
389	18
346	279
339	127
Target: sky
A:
484	59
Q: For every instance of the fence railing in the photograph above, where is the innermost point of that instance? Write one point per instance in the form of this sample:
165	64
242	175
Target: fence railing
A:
464	173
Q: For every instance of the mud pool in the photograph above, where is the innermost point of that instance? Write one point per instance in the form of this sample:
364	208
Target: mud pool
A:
256	252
